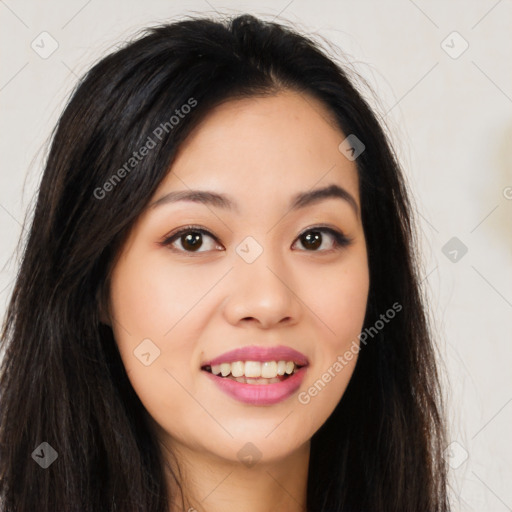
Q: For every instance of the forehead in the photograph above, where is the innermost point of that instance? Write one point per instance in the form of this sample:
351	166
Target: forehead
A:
260	145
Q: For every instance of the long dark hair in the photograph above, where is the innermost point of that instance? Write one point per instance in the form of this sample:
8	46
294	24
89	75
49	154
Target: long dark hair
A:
62	378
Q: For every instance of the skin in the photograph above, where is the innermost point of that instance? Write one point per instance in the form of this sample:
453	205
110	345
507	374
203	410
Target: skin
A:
197	305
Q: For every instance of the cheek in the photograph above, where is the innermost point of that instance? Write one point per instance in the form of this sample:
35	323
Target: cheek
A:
149	298
339	298
149	305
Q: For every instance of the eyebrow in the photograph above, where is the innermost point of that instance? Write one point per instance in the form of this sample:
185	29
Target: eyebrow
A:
300	200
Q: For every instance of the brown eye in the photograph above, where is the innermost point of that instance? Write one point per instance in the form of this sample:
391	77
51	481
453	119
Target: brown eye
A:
191	240
312	239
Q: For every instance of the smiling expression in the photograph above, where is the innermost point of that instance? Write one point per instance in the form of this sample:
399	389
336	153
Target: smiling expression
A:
254	239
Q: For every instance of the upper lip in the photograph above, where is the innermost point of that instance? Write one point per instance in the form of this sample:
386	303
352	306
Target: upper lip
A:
255	353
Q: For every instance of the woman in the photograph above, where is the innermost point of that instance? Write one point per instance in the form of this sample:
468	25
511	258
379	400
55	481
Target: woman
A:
219	305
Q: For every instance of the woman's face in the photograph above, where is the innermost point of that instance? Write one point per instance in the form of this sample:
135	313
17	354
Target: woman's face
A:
266	272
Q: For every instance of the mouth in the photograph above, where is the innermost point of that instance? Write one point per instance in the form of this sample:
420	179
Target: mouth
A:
255	372
239	381
257	375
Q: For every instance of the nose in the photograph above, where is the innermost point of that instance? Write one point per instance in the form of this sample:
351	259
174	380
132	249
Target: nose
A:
263	293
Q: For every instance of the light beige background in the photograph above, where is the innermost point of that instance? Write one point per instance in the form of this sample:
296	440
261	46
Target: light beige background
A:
451	120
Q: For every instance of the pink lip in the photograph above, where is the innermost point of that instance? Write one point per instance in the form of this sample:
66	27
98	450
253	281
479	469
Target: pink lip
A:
254	353
260	394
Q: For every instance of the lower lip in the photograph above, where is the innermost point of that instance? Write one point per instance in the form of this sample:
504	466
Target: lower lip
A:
260	394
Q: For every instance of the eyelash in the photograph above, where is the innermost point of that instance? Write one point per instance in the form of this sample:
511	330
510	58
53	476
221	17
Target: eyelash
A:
340	239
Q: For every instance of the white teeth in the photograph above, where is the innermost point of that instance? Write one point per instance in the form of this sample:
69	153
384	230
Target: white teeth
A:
239	370
225	369
269	369
244	380
252	369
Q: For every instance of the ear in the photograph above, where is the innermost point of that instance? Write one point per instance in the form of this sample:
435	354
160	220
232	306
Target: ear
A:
103	305
105	317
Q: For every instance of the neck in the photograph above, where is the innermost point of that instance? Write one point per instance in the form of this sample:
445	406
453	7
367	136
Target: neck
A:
213	484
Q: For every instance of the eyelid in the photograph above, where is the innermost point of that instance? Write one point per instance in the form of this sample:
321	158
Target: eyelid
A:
170	237
340	239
